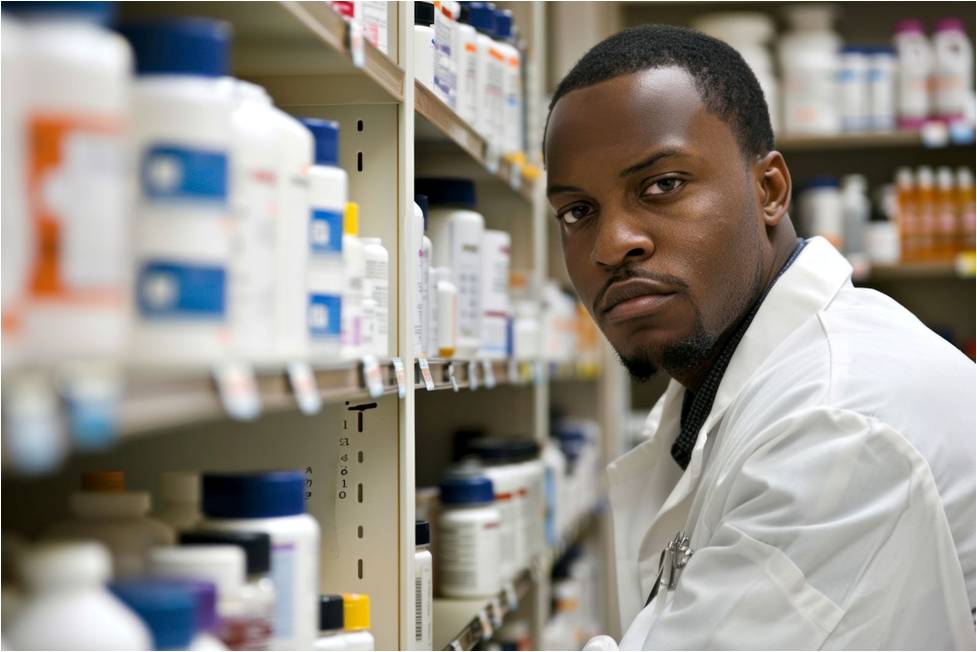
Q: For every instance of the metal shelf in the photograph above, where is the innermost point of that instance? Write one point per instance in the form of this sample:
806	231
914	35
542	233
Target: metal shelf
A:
454	622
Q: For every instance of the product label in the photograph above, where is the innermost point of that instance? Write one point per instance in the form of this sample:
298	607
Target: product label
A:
469	261
326	232
423	607
468	554
168	289
444	64
283	577
325	315
252	288
170	172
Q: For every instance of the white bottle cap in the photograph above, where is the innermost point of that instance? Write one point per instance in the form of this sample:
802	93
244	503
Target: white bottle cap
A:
222	565
123	504
924	176
179	487
81	563
944	178
965	178
371	241
904	177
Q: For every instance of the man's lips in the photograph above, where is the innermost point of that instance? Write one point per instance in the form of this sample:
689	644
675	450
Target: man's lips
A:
634	298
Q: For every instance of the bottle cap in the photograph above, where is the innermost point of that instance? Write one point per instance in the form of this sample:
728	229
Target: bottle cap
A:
109	481
205	596
423	13
256	546
371	241
447	191
422	203
222	565
422	533
924	176
503	450
465	485
482	16
254	495
179	487
101	13
186	46
356	611
351	219
330	613
909	26
824	181
949	24
82	563
167	608
503	24
326	136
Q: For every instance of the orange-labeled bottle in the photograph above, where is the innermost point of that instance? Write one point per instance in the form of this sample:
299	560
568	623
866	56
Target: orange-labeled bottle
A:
906	214
947	209
965	210
925	213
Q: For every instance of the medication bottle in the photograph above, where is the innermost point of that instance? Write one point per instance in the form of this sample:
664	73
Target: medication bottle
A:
168	608
945	238
456	234
356	622
508	483
326	272
953	78
179	499
882	242
465	52
965	203
376	286
445	83
274	502
809	63
330	624
554	473
424	48
881	88
258	591
915	68
857	209
853	86
422	267
206	630
526	454
496	306
925	212
822	211
354	264
68	606
511	124
907	214
488	71
468	536
105	511
372	15
183	137
423	588
446	302
74	110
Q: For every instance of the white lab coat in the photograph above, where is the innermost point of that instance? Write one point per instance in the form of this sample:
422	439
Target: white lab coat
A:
830	495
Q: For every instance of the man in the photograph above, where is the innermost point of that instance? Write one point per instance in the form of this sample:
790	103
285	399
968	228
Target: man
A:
808	481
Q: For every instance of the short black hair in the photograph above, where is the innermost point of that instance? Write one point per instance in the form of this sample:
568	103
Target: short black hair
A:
727	86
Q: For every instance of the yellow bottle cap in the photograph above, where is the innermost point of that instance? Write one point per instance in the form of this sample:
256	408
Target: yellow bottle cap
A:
356	611
351	219
112	481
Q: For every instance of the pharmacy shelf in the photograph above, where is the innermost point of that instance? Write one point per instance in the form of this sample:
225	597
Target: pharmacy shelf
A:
961	268
474	374
441	124
455	626
886	140
584	526
574	371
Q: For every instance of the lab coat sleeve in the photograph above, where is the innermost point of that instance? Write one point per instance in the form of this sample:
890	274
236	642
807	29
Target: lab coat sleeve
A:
825	532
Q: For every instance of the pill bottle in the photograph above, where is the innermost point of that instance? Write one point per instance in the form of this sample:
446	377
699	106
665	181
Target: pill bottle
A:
328	189
465	52
423	588
526	455
168	609
554	482
853	87
422	292
881	88
857	209
354	266
882	242
376	286
445	82
907	215
446	330
206	636
509	484
432	313
456	231
274	502
105	511
258	591
953	71
945	237
496	306
821	210
182	233
68	606
356	622
424	42
330	624
488	74
915	67
178	504
372	15
925	181
469	558
965	207
511	125
809	63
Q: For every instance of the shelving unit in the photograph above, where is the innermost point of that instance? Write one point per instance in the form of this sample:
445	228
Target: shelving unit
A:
462	624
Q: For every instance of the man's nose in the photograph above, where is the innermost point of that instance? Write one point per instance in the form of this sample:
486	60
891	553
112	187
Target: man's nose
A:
621	238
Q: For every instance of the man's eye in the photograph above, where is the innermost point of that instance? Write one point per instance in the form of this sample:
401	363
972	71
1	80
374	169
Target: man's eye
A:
664	186
573	214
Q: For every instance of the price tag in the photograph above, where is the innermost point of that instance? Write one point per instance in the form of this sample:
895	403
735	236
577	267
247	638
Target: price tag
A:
511	599
515	175
492	157
486	624
451	377
356	48
488	374
472	375
497	614
401	376
238	390
303	384
32	435
372	378
513	371
426	373
92	393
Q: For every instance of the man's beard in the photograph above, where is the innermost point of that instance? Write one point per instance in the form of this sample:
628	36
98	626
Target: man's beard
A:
676	357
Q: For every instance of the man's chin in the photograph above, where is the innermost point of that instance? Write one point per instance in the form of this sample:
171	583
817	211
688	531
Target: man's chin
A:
674	357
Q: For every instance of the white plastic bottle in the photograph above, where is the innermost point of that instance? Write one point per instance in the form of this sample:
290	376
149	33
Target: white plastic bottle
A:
377	287
554	472
178	503
915	68
510	134
274	502
508	483
953	80
424	42
372	15
330	624
496	306
857	209
356	622
105	511
465	51
821	210
468	536
809	63
456	234
446	331
354	264
422	290
423	588
169	609
445	83
69	607
328	188
76	104
853	84
488	75
882	88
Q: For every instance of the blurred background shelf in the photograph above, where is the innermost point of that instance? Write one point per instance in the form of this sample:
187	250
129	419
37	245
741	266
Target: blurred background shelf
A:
842	142
463	624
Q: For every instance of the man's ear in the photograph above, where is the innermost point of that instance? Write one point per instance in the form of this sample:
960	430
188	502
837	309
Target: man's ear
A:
773	187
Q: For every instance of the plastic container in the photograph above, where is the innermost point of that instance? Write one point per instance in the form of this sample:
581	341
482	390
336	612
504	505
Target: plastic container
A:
488	71
508	482
274	502
330	624
809	64
882	242
881	88
821	209
925	212
456	232
496	306
69	608
372	15
953	72
527	454
907	214
510	134
423	588
328	189
178	503
945	236
424	47
965	203
183	138
354	264
554	472
377	287
915	67
446	305
356	622
169	610
856	209
422	283
75	107
465	52
853	85
469	554
205	597
445	79
105	511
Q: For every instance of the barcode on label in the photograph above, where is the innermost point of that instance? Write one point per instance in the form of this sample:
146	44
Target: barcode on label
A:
417	609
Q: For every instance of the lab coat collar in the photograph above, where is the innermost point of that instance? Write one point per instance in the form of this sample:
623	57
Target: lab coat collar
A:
638	481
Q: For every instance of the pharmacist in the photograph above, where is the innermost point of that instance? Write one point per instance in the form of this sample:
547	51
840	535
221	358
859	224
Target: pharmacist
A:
808	478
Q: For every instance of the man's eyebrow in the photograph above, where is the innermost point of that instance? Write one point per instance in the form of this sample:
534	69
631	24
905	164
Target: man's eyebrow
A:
556	189
648	162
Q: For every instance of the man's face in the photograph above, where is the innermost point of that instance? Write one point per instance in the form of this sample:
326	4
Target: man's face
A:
662	229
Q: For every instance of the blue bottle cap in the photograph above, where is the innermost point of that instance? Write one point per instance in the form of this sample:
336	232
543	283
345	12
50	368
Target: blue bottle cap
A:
466	486
447	191
822	181
482	16
101	13
168	608
325	133
503	24
253	495
185	46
